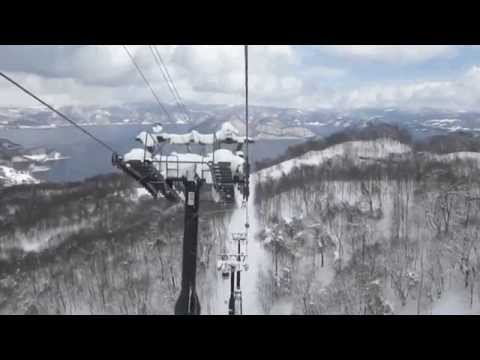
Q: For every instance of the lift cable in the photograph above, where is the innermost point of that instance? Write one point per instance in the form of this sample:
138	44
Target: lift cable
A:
168	79
157	61
63	116
173	85
146	82
247	180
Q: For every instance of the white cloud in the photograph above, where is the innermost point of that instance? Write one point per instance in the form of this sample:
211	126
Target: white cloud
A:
399	54
104	75
457	94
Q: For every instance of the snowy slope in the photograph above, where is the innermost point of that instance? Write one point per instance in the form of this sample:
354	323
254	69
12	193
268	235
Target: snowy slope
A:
10	177
54	156
379	148
461	155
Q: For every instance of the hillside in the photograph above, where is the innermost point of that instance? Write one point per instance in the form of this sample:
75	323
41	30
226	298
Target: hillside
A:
363	222
371	227
98	247
355	150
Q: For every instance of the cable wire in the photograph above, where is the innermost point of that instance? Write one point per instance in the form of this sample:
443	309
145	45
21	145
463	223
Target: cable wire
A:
246	135
171	86
57	112
146	82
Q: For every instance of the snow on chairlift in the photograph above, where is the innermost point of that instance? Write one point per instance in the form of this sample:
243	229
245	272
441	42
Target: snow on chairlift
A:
154	172
223	266
239	236
137	164
225	275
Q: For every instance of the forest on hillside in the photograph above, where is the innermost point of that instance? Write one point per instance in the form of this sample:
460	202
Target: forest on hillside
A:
95	247
392	234
399	235
440	144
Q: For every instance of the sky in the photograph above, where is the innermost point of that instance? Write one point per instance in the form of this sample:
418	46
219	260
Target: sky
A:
305	77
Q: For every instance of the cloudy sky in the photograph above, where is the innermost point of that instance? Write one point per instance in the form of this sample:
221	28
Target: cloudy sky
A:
446	77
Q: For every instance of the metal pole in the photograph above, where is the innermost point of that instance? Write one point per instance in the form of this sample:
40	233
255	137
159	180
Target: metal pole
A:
247	163
231	303
188	302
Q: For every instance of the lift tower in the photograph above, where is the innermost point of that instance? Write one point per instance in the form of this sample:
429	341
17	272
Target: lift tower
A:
180	176
188	302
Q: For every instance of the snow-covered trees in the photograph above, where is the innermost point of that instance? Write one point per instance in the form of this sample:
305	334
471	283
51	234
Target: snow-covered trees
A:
398	234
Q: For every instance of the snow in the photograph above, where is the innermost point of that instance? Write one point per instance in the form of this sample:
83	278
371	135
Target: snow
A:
11	177
137	154
316	123
454	304
36	241
442	121
194	137
354	149
157	128
36	168
224	155
139	192
183	164
227	132
202	170
51	126
257	260
146	139
45	157
56	156
17	159
39	157
456	128
461	155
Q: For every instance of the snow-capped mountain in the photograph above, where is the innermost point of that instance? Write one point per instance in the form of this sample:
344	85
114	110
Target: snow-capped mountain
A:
265	122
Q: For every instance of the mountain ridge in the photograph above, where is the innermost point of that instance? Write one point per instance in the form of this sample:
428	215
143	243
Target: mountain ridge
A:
264	120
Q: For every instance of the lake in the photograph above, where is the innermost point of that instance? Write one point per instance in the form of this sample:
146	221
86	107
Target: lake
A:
88	158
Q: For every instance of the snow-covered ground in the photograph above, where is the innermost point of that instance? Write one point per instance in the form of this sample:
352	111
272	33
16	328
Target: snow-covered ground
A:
10	176
355	150
37	168
36	241
139	193
257	259
54	156
461	155
380	148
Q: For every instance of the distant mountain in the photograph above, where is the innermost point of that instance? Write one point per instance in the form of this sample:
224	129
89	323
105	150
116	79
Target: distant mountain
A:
265	121
18	165
445	143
